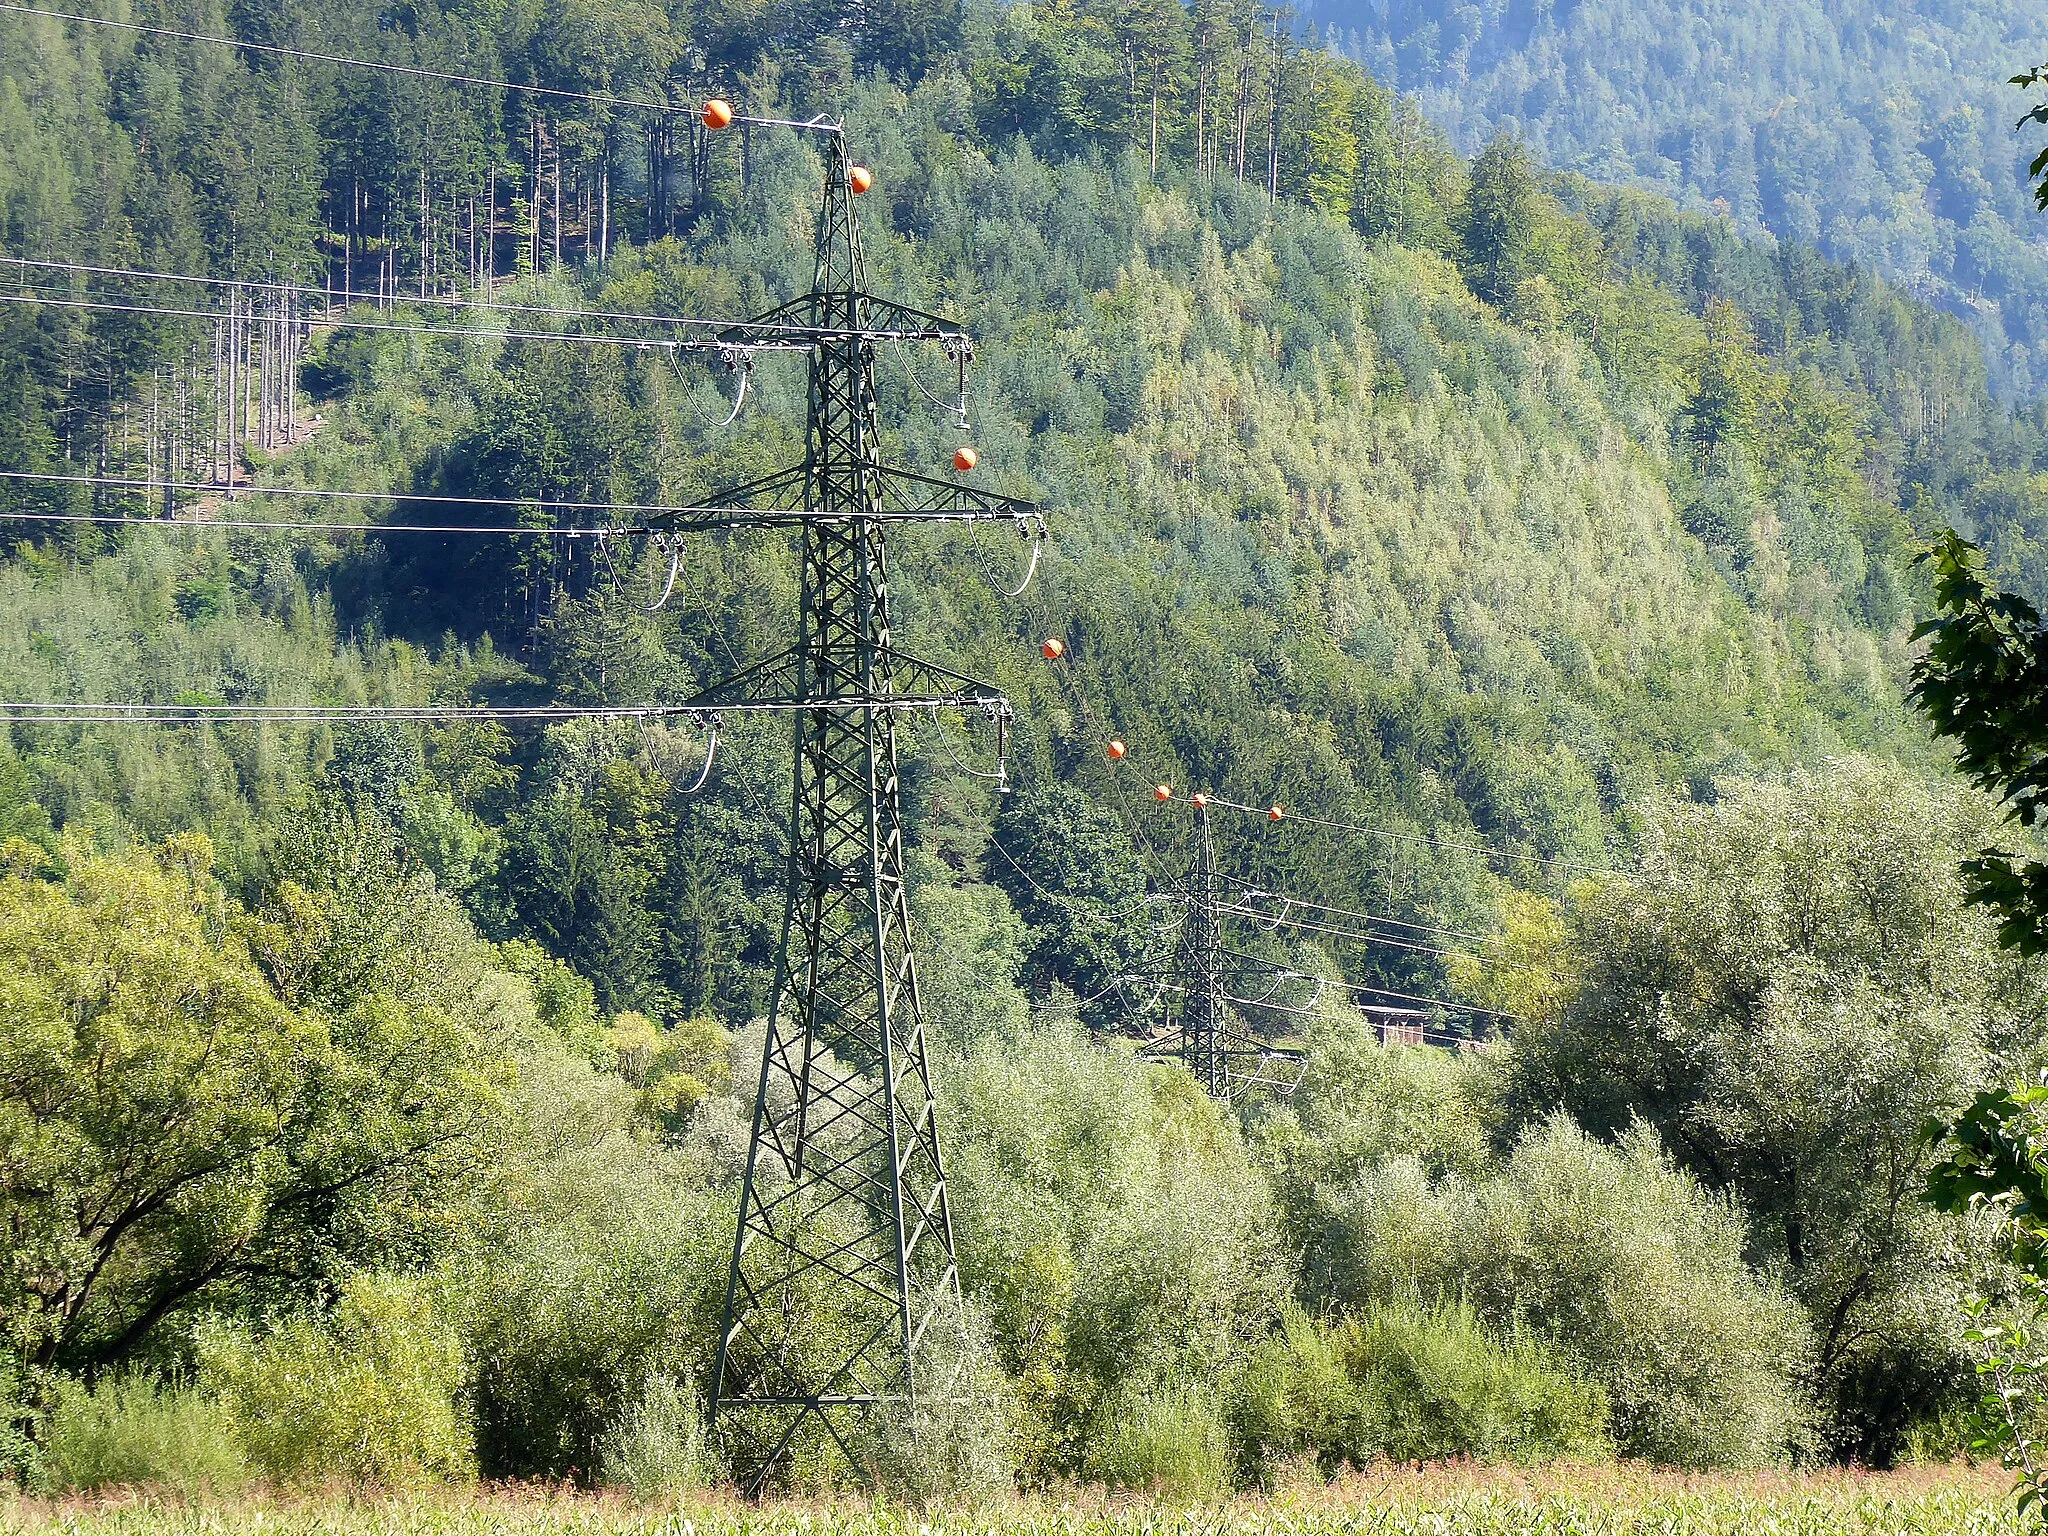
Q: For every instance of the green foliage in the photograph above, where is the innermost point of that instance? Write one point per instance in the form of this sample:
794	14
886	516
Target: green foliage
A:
1295	1400
207	1098
565	1002
675	1068
1069	866
1787	989
1499	220
1822	125
2011	1361
595	1261
134	1431
1996	1159
955	1446
1983	682
1408	1384
1110	1225
145	1064
1167	1441
1436	1385
1489	558
655	1448
375	1392
970	953
2037	168
21	1416
1631	1275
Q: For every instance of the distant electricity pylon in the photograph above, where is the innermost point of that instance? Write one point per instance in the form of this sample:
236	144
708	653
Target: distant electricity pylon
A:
1204	1032
843	1264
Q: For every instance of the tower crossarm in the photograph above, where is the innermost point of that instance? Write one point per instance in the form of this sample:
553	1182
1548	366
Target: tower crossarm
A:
819	317
777	501
926	497
778	683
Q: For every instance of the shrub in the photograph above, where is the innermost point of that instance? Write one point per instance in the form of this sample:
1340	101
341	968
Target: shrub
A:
1786	989
1434	1384
1627	1269
133	1431
18	1421
1112	1225
375	1392
955	1444
1169	1441
1294	1401
1411	1384
656	1446
599	1261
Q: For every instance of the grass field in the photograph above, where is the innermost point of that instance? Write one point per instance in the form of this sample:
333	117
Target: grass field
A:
1441	1501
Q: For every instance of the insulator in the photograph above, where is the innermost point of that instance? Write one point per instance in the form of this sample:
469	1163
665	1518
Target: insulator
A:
1053	649
717	114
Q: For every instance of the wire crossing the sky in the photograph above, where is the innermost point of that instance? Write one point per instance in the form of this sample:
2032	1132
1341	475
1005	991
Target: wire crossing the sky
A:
783	339
414	71
799	335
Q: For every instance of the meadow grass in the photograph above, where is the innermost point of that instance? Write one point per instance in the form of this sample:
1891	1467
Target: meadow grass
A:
1435	1501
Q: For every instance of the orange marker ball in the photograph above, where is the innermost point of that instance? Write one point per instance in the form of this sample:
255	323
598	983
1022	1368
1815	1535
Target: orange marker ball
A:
1275	814
965	459
1116	751
1053	650
717	113
1200	801
860	178
1163	792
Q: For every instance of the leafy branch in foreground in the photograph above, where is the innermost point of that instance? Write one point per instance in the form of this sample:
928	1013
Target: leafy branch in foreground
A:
1984	684
2011	1361
2038	170
1998	1164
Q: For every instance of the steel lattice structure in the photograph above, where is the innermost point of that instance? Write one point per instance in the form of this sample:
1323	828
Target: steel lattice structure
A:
844	1255
1204	1032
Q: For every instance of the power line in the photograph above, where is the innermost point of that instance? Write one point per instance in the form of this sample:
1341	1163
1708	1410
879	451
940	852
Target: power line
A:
683	519
445	301
243	525
36	713
1369	990
279	50
1252	893
787	340
1384	940
43	712
1428	1034
1435	1035
1079	909
1288	973
1485	850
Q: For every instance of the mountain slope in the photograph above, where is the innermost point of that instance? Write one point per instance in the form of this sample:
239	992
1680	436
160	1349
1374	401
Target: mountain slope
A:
1880	130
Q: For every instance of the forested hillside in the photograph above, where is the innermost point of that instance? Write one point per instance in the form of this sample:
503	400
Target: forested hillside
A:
1545	551
1880	132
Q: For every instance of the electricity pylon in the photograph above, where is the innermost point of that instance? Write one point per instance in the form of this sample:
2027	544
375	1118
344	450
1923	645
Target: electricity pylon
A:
844	1254
1204	1032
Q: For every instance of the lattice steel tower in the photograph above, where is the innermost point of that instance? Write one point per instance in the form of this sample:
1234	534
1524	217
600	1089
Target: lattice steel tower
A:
844	1259
1205	1033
